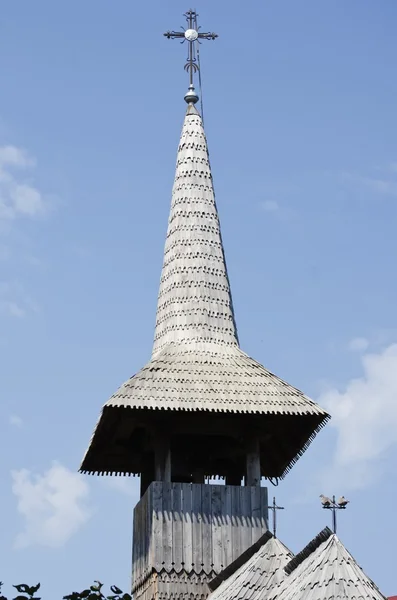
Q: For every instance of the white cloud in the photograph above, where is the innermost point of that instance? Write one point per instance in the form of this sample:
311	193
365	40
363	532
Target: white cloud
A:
278	211
53	505
381	186
17	197
125	485
14	302
12	309
386	187
15	157
16	421
359	344
364	414
270	205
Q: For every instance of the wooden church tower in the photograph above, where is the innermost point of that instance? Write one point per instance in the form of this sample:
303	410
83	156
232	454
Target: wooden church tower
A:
200	408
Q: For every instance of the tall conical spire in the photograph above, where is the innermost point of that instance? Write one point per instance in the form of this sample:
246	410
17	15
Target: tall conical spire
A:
198	381
194	304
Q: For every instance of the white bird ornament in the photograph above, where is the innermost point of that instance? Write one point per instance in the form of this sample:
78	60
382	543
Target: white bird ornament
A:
325	501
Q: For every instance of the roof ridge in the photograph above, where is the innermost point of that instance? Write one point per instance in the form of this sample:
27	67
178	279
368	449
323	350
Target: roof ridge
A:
239	561
311	547
355	566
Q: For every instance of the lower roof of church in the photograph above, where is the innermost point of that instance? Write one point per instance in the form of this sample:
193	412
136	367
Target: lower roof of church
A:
323	570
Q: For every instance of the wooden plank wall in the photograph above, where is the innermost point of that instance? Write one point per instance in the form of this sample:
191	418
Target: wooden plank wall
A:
195	528
174	586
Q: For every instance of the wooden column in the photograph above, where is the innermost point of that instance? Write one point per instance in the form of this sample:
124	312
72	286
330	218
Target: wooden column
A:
147	473
253	463
162	458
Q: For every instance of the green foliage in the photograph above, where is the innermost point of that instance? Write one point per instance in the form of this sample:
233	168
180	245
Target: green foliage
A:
94	592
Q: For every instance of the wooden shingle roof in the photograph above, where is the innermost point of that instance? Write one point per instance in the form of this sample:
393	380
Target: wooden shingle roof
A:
194	303
257	577
197	364
325	570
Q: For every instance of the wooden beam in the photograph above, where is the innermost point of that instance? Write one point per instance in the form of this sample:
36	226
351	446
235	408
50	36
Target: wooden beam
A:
253	463
162	458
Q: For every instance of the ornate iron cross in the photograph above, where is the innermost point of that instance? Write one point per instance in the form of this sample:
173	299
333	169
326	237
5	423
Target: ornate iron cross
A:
192	35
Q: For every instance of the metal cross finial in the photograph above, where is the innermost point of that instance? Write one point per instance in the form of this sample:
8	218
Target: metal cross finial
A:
192	35
274	508
334	506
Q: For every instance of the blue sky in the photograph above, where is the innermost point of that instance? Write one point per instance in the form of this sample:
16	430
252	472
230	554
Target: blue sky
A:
300	117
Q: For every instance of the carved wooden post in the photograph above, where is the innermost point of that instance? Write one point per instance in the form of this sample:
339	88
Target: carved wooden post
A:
253	464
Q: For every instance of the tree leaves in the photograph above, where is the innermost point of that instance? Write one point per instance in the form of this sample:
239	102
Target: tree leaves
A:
29	591
94	592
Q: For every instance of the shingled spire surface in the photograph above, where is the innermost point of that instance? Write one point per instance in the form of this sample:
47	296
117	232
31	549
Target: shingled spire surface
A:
194	304
197	364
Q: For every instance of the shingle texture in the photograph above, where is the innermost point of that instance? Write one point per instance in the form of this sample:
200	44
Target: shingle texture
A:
194	303
328	573
258	576
212	378
324	570
197	364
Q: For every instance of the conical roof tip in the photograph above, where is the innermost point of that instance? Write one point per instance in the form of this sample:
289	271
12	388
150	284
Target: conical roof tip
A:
194	303
192	110
257	576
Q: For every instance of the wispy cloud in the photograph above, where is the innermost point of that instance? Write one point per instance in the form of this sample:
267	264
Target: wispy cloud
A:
364	414
359	344
270	205
18	197
14	301
277	210
53	506
391	167
11	308
386	186
11	156
125	485
16	421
